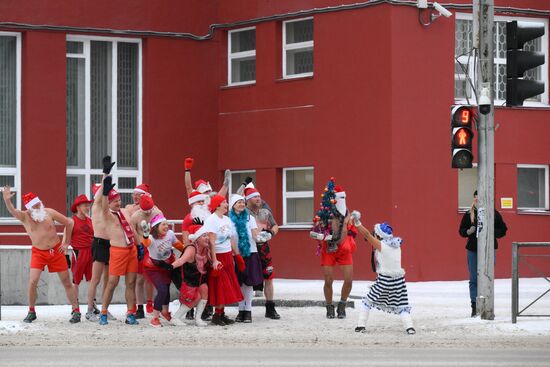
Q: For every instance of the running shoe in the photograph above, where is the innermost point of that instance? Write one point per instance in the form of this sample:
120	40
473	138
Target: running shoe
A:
31	316
149	307
92	316
167	315
155	322
140	314
103	320
96	310
131	319
75	317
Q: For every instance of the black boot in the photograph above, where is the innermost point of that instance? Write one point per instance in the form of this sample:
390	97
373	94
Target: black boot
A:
247	317
240	316
474	310
207	313
226	319
341	310
190	315
139	312
217	319
270	311
330	311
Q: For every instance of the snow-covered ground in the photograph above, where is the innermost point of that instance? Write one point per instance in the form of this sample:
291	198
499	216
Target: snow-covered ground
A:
441	312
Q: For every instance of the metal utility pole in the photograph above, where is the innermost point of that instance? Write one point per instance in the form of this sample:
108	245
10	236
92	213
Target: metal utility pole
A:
483	13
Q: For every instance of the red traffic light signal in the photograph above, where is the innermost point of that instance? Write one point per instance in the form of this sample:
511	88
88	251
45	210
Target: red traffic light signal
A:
461	136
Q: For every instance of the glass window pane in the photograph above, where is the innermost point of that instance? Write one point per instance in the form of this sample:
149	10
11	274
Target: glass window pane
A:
243	41
463	35
75	47
126	198
8	101
301	31
299	61
8	180
531	188
299	180
299	210
100	101
75	187
126	182
238	178
243	69
467	184
75	112
127	105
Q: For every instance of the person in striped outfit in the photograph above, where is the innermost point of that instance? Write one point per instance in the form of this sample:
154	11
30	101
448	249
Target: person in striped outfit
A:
389	292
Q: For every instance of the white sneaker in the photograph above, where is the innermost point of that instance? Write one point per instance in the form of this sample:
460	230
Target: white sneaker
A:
200	322
177	321
92	317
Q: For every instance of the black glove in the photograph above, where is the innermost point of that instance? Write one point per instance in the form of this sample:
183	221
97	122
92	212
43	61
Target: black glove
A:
247	180
140	252
198	221
164	265
107	164
107	185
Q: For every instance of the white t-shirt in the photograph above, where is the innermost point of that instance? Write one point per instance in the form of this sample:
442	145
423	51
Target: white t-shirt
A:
250	225
161	248
388	261
223	229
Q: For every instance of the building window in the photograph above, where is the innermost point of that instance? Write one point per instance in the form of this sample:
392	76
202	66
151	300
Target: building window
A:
103	113
241	56
532	187
238	177
297	196
10	117
464	59
298	48
467	184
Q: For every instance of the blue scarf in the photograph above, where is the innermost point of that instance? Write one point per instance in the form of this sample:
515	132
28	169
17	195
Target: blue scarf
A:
240	221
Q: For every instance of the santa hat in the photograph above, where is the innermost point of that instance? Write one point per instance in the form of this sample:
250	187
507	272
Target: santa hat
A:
113	195
339	192
215	202
251	192
143	189
385	232
146	202
233	199
202	186
250	186
95	187
30	200
195	196
80	199
157	219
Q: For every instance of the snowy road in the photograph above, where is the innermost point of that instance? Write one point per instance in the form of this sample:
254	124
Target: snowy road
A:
239	356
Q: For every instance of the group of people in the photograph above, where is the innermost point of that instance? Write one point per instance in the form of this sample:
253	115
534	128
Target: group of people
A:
223	254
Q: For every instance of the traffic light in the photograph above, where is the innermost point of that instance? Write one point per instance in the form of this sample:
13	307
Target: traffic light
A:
519	61
462	136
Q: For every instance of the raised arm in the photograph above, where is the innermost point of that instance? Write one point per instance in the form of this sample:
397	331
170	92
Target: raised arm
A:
7	194
188	164
375	242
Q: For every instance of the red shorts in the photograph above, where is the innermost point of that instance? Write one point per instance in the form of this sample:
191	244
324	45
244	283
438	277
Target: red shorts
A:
342	256
52	258
82	264
123	260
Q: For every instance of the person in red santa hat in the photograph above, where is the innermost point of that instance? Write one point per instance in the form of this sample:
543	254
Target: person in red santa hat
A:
81	242
203	186
146	211
199	209
223	286
122	252
139	191
336	233
47	249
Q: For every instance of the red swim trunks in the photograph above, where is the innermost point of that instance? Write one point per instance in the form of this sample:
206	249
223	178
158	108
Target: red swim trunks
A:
123	260
342	256
52	258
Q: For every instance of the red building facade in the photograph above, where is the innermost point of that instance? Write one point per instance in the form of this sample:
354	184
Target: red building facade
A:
292	92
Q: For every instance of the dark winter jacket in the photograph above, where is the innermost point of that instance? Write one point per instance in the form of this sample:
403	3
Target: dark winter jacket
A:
466	223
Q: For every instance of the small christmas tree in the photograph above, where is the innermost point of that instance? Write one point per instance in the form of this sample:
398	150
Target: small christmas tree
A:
322	222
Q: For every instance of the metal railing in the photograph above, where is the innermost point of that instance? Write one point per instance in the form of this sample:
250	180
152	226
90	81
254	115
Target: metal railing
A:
516	258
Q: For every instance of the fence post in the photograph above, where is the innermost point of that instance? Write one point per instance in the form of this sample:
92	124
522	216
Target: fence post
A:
514	282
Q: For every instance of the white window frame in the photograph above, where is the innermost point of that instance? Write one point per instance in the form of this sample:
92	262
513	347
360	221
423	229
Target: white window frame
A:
87	171
238	55
295	46
295	195
463	209
546	186
15	171
237	171
502	61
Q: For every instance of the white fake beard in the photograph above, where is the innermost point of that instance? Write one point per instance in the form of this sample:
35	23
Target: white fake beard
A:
341	205
200	211
38	215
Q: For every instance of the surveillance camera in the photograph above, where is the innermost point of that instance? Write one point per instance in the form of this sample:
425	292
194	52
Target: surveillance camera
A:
442	10
484	103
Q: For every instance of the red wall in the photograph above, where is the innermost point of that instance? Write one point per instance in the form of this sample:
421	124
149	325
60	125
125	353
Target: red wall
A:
375	116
